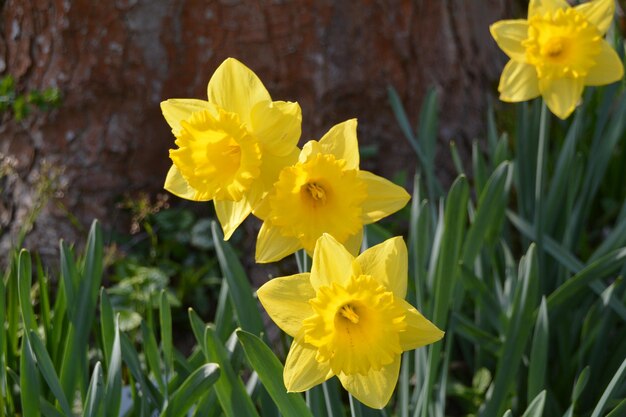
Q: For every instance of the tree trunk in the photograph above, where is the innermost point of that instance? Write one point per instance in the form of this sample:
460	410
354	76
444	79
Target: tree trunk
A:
114	61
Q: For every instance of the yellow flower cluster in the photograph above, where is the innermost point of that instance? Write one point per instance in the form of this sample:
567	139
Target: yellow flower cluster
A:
348	316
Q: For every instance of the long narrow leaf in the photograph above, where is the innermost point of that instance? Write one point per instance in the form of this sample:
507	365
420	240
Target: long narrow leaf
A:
270	372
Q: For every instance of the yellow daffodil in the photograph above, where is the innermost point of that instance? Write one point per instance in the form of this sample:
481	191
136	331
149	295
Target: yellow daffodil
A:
324	192
556	52
231	147
348	318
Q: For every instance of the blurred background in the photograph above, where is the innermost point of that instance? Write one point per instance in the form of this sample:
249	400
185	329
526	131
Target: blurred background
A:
88	140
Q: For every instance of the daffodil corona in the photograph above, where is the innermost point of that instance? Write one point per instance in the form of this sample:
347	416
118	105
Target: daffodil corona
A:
324	192
557	52
231	147
348	318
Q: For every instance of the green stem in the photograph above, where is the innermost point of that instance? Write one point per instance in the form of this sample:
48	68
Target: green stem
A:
542	151
355	407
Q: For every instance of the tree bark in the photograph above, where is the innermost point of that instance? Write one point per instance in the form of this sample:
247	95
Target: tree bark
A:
114	61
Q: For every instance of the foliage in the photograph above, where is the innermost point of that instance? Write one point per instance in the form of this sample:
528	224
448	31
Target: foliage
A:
167	249
21	105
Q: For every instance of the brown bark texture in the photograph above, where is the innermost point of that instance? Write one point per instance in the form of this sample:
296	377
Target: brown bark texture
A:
115	60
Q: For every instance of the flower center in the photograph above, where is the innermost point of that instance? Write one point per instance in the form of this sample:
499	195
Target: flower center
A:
355	328
322	197
348	312
315	193
562	44
217	155
553	47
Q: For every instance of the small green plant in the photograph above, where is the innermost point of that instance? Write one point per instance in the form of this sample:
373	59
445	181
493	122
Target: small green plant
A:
21	105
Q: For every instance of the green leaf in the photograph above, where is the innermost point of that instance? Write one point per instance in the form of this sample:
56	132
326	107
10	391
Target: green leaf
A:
520	326
270	372
597	270
581	383
489	214
107	321
539	353
93	400
606	395
24	284
113	393
165	317
192	390
231	392
535	408
47	370
29	381
246	310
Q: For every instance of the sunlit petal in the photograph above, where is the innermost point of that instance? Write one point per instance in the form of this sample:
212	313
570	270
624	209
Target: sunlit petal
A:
375	388
277	125
286	300
387	262
176	110
302	371
235	88
608	69
331	263
562	95
383	197
509	34
420	331
599	13
272	246
518	82
341	141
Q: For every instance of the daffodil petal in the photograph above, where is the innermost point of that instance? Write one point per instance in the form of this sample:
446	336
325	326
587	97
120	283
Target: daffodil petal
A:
608	69
420	331
277	125
235	88
271	165
354	242
599	13
375	388
177	185
232	213
545	6
562	94
178	109
387	263
518	82
286	300
302	370
383	197
341	141
309	150
272	246
331	263
509	35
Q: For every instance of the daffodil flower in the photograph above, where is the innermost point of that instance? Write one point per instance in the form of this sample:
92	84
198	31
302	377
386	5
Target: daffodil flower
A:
557	52
348	318
324	192
230	148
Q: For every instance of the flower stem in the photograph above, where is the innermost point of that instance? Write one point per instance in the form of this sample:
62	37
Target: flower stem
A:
355	407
